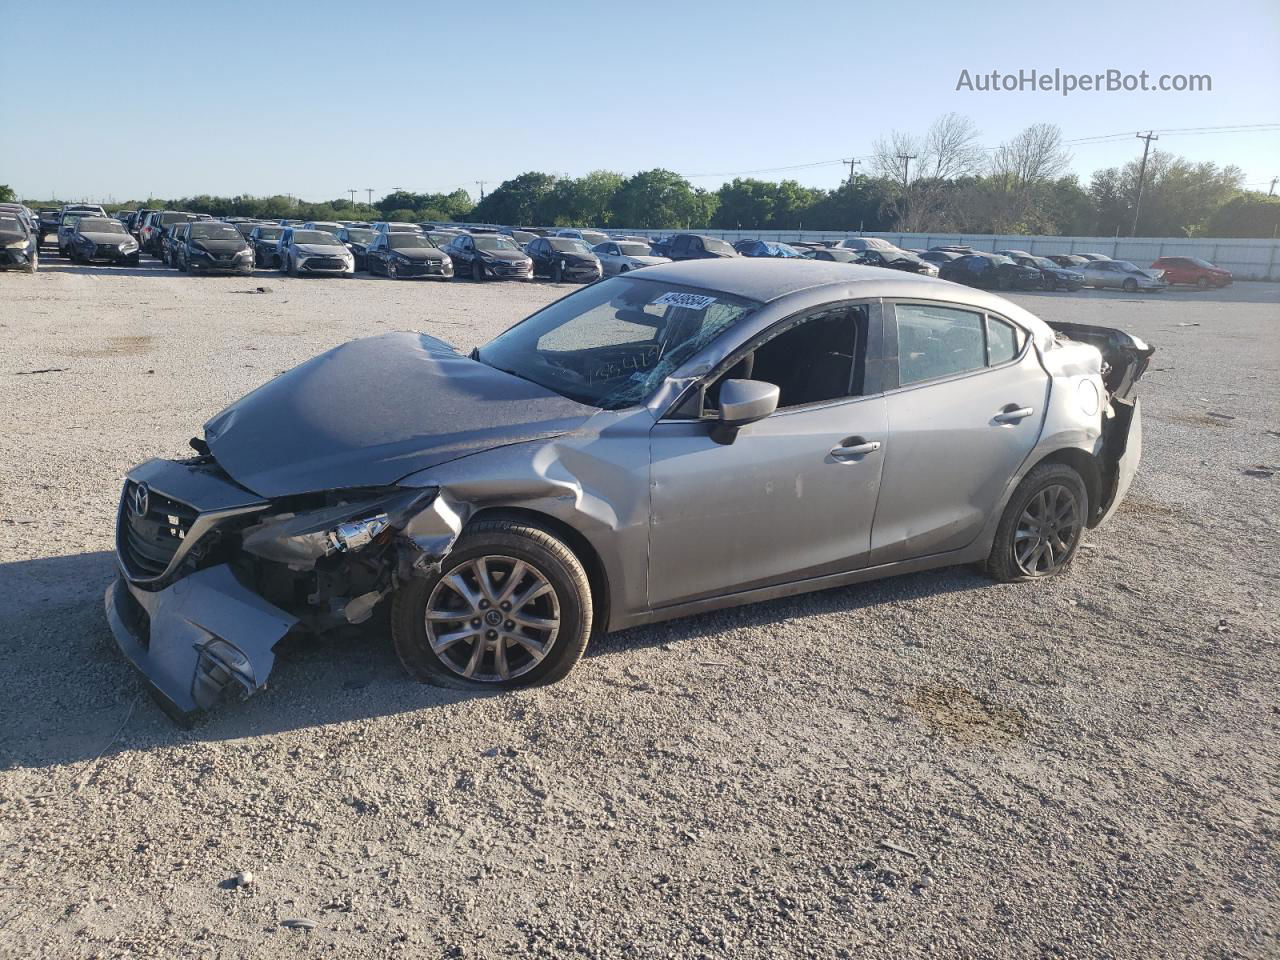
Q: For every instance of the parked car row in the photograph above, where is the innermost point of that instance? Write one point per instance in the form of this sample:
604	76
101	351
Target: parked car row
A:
196	242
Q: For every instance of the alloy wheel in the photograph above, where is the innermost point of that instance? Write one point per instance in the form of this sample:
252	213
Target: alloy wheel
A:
492	619
1047	531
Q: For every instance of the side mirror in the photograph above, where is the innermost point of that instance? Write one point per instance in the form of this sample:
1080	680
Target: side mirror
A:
742	402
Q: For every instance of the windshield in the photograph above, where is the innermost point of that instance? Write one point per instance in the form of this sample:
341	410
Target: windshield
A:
567	245
593	236
269	233
244	228
214	231
611	344
997	258
327	227
519	236
165	219
407	241
1044	263
495	243
1126	266
635	250
401	228
359	236
712	245
99	225
317	237
1202	263
11	225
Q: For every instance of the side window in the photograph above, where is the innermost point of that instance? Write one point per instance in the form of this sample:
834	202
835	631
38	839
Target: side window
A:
1004	341
816	359
937	342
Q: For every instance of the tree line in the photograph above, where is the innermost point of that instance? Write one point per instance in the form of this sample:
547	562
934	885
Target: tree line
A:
941	180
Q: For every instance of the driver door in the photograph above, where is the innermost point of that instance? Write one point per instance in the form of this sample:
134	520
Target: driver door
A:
788	499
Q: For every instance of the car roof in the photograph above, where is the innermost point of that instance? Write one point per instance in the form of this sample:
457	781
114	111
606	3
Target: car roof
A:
767	279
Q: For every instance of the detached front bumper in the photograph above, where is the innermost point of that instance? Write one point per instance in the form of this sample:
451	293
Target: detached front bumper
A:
198	638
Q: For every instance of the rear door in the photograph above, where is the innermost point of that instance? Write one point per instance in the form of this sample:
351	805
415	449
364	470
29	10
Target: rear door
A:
965	412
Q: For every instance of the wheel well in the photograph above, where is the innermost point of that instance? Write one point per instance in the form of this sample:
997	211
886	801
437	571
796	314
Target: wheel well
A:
1087	466
576	542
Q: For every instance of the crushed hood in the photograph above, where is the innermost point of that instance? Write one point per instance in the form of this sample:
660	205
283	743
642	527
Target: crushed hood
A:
372	411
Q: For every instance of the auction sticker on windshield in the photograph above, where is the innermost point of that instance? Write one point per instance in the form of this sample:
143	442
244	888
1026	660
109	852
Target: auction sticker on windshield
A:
690	301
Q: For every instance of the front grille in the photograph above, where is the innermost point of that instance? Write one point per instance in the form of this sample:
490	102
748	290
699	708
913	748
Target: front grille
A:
148	542
324	263
106	250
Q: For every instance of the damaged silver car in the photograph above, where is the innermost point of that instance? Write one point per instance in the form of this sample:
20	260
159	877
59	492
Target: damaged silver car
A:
694	436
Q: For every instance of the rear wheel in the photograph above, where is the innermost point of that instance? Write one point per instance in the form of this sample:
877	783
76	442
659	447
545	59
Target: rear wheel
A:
1041	527
510	607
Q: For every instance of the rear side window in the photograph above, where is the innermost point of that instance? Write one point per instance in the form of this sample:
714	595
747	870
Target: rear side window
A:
938	342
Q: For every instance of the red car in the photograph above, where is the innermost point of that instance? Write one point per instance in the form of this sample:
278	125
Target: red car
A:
1192	270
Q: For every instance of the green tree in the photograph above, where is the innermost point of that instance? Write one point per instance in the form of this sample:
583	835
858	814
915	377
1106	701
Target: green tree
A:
1178	196
659	198
518	201
7	195
1247	215
581	201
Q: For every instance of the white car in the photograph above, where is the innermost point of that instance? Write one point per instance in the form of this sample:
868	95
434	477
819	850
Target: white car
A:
1122	275
622	256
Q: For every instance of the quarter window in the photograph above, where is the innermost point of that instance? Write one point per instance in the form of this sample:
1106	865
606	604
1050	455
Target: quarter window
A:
1003	342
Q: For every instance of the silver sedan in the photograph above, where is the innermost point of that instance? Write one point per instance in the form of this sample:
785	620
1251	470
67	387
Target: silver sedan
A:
623	256
1122	275
693	436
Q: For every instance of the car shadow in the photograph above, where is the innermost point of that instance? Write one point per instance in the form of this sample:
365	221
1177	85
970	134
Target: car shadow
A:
72	697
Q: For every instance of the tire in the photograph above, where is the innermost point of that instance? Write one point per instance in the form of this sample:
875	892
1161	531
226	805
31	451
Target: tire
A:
557	273
392	272
624	268
497	545
33	264
477	270
1203	283
1130	285
291	266
1018	552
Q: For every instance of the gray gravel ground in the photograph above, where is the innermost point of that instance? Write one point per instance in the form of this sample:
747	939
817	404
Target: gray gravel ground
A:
934	765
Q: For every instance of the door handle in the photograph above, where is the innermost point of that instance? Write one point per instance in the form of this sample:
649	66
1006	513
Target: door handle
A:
1012	414
853	448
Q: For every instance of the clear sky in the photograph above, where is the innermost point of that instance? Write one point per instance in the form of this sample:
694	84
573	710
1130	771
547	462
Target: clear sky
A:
132	99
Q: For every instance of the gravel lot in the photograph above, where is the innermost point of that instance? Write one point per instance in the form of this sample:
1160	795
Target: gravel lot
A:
933	765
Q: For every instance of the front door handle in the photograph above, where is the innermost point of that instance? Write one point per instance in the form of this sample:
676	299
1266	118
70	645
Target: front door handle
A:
1012	414
853	448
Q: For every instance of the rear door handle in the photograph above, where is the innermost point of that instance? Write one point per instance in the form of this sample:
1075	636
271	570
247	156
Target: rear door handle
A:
1012	414
853	448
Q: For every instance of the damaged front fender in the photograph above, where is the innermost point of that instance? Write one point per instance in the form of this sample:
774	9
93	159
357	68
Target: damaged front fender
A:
197	639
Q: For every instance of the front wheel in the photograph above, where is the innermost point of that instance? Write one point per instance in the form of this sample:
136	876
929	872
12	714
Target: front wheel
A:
1041	527
1130	285
509	607
1203	283
33	264
477	270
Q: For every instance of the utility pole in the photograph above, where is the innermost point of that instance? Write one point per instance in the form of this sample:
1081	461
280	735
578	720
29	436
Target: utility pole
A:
480	184
1272	191
1142	176
906	159
369	191
851	163
352	191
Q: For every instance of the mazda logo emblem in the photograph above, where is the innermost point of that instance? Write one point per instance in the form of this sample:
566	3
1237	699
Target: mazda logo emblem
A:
141	500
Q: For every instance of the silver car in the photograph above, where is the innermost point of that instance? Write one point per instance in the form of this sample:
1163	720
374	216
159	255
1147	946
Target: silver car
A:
623	256
694	436
1122	275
